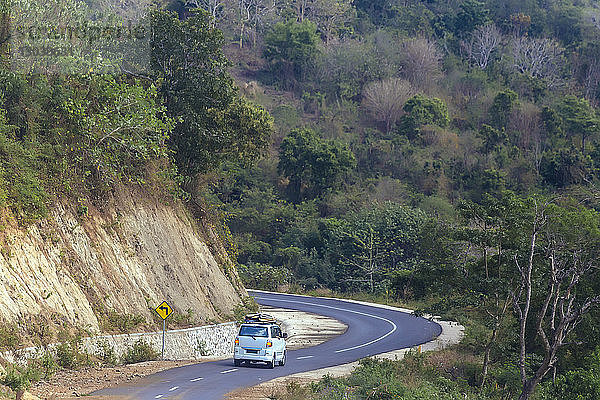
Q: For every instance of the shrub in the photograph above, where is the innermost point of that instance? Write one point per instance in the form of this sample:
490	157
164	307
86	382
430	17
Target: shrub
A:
123	323
19	378
184	319
139	352
69	355
247	306
377	379
107	354
45	364
202	348
9	337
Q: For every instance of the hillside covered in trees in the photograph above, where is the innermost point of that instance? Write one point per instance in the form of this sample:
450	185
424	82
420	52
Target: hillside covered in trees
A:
442	154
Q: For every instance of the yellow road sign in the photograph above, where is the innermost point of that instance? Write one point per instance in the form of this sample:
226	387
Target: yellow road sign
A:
164	310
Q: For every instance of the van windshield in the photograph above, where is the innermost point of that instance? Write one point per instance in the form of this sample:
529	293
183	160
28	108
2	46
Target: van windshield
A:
259	331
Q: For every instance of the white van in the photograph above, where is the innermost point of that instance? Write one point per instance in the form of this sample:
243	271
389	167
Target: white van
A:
260	339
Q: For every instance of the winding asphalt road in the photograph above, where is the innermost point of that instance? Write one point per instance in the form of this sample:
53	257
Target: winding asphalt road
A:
371	330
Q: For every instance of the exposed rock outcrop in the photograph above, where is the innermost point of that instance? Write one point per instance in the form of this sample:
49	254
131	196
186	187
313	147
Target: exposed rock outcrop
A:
128	257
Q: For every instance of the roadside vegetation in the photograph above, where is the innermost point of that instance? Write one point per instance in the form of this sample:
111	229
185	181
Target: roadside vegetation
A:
418	376
70	355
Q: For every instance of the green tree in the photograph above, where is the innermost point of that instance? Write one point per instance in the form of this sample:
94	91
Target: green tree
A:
263	276
472	14
501	108
552	122
377	10
491	226
369	245
492	138
579	118
115	127
291	49
421	111
21	188
564	167
214	123
312	164
566	23
333	18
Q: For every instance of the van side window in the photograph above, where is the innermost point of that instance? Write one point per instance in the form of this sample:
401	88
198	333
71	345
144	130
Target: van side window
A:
276	331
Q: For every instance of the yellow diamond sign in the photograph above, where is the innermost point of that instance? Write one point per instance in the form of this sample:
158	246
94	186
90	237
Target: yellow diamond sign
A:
164	310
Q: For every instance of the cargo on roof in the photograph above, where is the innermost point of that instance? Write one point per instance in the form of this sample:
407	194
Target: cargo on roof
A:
259	318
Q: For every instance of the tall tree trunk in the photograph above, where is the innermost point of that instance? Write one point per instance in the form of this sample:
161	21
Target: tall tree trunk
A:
486	357
526	275
242	25
488	348
530	385
485	260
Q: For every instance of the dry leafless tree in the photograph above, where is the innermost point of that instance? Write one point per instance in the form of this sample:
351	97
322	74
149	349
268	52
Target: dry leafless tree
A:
421	62
482	45
566	264
385	99
539	58
250	16
591	80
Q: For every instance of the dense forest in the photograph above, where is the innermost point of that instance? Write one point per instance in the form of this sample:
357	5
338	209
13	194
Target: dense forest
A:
440	154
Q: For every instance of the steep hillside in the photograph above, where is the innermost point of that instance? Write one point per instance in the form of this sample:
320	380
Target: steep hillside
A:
77	136
77	266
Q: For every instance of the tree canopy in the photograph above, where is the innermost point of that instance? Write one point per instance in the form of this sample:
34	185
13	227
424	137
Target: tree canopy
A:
313	165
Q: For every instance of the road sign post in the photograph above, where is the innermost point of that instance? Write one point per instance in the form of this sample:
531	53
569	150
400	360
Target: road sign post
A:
163	311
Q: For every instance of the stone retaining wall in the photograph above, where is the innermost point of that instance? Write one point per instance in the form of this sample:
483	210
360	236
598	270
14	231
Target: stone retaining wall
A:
180	344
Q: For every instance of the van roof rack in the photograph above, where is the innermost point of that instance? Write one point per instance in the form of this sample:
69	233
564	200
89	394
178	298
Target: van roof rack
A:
259	318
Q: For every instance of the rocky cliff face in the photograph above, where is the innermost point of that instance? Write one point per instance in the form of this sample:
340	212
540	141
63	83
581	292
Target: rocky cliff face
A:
131	255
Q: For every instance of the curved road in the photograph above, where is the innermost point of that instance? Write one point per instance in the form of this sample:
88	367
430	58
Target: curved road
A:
371	330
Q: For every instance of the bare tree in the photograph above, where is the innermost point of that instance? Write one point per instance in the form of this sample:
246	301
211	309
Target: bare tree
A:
301	7
385	99
539	58
250	16
497	314
484	42
421	62
591	81
568	257
526	120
